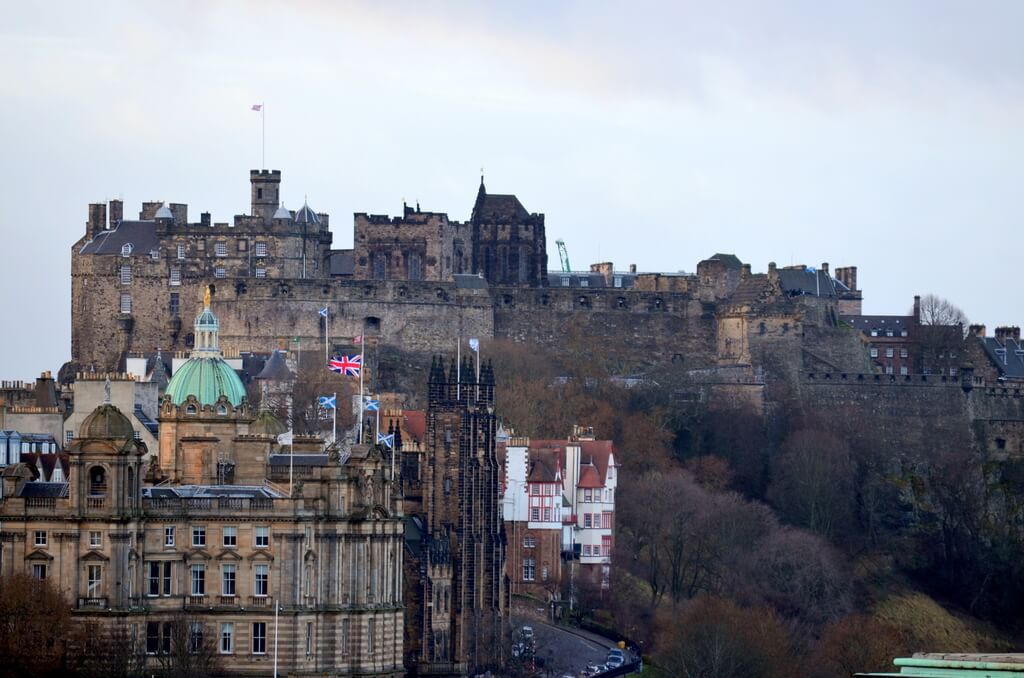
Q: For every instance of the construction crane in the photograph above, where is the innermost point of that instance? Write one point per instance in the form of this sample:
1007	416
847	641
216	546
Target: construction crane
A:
564	256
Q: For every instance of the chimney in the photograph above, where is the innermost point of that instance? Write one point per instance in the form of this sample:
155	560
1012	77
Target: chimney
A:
976	330
917	309
632	268
97	218
180	212
773	271
116	212
1008	332
149	210
745	271
824	267
204	219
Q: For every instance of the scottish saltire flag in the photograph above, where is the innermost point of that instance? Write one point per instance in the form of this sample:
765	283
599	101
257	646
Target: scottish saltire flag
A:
371	405
475	345
328	402
285	438
349	365
388	440
323	312
257	107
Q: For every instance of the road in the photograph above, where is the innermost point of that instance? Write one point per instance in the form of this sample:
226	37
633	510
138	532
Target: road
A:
563	652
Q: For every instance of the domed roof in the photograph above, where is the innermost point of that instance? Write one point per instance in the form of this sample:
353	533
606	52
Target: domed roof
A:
106	421
306	215
283	213
207	379
164	212
266	424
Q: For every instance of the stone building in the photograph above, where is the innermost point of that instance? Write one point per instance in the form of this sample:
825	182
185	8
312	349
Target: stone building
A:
456	596
217	543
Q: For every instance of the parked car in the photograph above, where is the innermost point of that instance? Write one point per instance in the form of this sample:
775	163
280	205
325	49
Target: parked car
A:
615	659
527	632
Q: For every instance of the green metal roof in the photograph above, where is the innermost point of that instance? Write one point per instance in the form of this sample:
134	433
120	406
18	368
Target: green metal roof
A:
937	665
207	379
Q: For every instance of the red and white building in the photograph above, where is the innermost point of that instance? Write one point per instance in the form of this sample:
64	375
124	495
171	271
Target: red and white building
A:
559	508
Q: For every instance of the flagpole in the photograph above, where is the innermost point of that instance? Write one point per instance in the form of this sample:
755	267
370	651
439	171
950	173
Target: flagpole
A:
327	334
277	606
263	151
362	367
291	464
458	369
334	422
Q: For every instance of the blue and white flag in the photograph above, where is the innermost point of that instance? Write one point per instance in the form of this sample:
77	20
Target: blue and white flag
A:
323	312
328	402
388	440
474	344
371	405
811	269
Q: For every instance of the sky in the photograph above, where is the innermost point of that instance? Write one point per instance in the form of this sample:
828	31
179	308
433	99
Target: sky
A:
888	136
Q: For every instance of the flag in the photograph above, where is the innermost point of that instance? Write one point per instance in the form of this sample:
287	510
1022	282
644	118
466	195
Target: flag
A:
323	312
257	107
811	269
328	402
372	405
357	340
388	440
349	365
285	438
474	344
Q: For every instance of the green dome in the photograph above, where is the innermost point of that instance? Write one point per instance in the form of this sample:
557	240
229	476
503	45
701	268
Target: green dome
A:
207	379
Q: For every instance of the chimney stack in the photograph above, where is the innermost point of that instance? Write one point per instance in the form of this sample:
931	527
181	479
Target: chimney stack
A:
976	330
917	309
97	218
116	212
824	267
1008	332
745	271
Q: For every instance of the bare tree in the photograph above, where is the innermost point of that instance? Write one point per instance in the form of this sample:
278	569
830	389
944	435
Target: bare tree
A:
936	310
193	649
34	624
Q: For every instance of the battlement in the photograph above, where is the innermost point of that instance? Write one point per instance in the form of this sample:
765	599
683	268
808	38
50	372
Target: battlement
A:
848	378
27	409
103	376
15	385
267	175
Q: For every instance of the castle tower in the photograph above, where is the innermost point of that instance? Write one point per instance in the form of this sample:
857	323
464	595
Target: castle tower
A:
266	189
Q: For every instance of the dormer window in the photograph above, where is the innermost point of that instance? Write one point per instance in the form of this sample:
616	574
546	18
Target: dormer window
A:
222	410
126	249
190	409
154	254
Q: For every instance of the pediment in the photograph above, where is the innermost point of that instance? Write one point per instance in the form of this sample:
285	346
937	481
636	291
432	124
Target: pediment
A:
94	556
228	554
198	554
39	555
262	556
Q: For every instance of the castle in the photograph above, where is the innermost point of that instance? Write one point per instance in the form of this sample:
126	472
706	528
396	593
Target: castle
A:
417	281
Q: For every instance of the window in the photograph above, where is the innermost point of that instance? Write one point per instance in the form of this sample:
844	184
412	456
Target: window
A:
126	303
167	577
261	273
40	538
888	333
154	254
228	580
529	569
219	272
952	371
95	539
126	275
889	353
243	245
606	520
371	635
152	637
195	637
94	579
175	276
168	536
230	536
262	581
227	637
874	333
529	541
262	537
198	535
39	571
259	638
586	520
586	549
565	281
874	352
413	266
165	637
584	282
617	281
260	249
69	436
587	496
220	249
903	370
547	515
198	580
903	353
181	250
380	266
544	573
153	578
309	639
888	369
126	249
535	513
343	641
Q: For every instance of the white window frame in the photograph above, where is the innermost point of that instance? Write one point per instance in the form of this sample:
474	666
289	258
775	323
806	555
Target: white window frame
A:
94	581
220	272
198	535
261	273
175	278
228	579
220	249
874	352
261	575
529	569
229	537
125	303
227	638
261	537
180	251
39	539
95	539
126	249
197	579
259	633
260	249
126	274
169	535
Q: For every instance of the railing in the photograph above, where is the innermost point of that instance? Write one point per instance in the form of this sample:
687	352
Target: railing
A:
234	503
207	504
227	601
40	502
92	603
195	601
260	601
95	502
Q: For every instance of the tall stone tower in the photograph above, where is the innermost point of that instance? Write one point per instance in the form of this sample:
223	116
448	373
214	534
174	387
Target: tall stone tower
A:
509	244
457	596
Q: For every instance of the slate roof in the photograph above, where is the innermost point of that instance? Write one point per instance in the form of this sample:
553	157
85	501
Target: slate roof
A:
146	421
141	234
731	261
866	323
276	369
299	459
495	208
44	464
189	491
541	469
44	489
795	281
1007	356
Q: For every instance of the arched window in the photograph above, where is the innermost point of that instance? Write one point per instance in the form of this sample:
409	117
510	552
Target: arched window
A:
97	481
191	409
222	410
126	249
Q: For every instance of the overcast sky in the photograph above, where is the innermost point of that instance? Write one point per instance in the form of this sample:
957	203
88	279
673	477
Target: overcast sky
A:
884	135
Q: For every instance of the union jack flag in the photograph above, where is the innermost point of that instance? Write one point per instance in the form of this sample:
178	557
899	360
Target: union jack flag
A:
349	365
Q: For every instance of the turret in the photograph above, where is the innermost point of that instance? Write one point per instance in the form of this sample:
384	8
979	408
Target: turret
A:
266	188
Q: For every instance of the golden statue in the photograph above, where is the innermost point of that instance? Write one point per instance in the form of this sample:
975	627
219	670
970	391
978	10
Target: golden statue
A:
206	298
